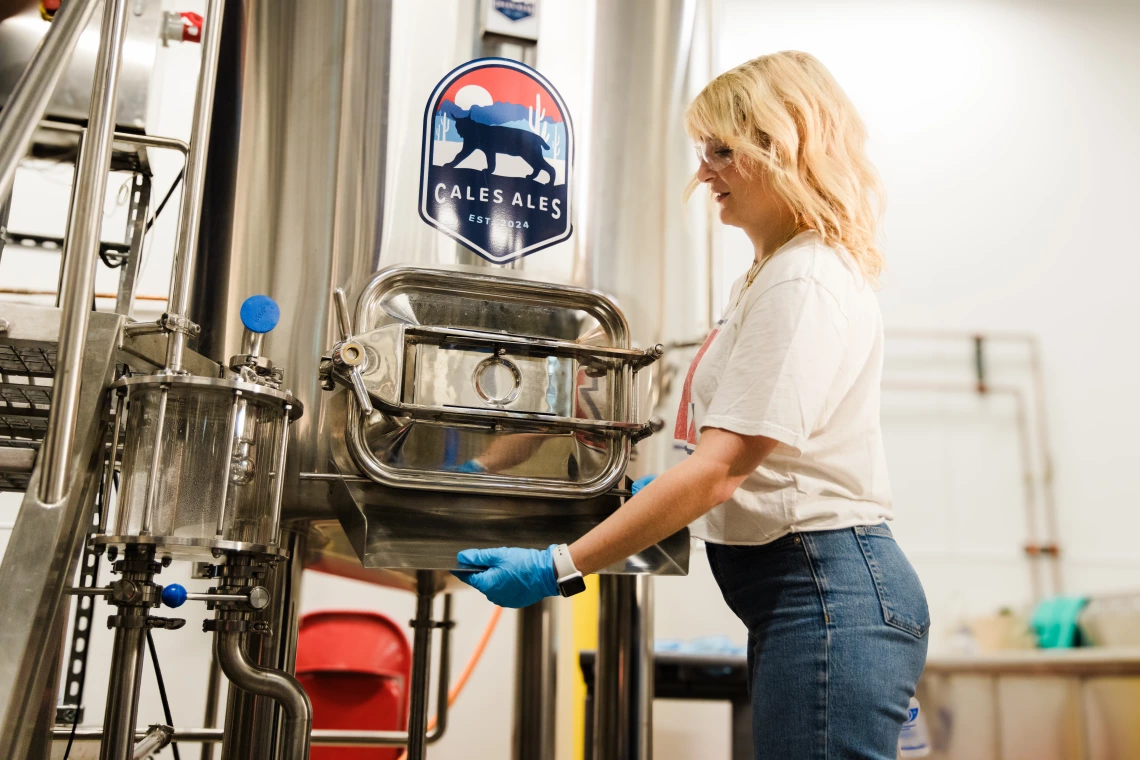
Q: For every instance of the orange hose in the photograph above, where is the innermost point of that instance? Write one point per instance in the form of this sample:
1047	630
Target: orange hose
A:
469	668
109	296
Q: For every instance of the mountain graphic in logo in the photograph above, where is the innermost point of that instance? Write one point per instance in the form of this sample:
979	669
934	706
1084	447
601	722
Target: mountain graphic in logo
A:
497	160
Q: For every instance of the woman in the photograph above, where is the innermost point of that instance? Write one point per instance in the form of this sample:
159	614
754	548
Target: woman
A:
787	481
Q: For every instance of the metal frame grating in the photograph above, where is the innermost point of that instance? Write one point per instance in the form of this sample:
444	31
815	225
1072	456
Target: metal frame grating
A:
14	481
21	394
27	361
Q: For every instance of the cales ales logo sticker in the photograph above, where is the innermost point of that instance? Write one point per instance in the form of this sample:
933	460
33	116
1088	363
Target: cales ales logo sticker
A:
515	10
498	154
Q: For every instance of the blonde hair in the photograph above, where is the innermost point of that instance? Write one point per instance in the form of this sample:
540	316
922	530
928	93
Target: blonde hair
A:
787	114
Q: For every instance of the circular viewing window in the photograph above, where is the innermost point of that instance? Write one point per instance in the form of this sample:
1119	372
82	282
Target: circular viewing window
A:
497	381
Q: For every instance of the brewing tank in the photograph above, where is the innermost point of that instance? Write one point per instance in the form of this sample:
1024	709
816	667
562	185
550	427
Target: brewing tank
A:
314	167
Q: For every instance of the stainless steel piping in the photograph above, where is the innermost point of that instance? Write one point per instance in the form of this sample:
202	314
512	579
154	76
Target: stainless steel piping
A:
30	97
80	249
194	181
536	668
421	665
112	458
213	691
442	697
156	462
123	688
232	427
623	678
209	736
279	486
297	721
326	737
157	738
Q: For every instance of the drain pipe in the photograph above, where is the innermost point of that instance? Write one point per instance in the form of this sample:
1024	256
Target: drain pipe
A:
297	722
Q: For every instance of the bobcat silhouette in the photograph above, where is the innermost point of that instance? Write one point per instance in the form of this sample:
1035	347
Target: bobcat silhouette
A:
493	140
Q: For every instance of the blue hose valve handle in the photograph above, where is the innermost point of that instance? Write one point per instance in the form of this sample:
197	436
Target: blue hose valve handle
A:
173	595
260	314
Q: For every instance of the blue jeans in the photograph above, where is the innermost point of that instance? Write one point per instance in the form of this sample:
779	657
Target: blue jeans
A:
837	623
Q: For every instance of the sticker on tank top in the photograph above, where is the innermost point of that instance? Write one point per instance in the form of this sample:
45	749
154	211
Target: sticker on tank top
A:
497	160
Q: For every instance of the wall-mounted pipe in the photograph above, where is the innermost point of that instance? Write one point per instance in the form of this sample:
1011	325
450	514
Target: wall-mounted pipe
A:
297	721
1050	547
1033	548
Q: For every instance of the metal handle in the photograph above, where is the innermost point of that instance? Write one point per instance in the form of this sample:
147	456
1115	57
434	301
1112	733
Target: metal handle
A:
349	353
343	318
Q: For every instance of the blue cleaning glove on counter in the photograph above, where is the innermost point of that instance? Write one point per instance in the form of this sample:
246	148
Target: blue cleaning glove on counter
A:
1057	621
642	483
509	577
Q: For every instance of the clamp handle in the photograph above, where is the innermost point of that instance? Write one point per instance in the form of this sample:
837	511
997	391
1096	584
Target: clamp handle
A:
349	353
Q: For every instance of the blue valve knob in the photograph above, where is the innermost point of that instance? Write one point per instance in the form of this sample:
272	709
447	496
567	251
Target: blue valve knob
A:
173	595
260	314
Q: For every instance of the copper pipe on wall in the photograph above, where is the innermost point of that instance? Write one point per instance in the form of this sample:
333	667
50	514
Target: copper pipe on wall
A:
1051	547
31	292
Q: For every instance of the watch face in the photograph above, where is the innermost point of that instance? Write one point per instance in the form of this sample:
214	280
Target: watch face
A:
575	584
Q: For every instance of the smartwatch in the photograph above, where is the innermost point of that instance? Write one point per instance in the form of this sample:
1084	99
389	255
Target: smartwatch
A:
570	581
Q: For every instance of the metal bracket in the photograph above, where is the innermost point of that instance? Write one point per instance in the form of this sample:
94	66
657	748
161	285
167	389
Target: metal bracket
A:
121	621
214	625
133	621
68	714
443	625
178	323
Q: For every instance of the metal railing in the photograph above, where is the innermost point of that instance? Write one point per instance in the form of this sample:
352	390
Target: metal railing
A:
81	247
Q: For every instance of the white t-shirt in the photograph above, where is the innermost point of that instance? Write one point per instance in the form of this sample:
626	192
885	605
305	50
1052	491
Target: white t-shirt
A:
798	360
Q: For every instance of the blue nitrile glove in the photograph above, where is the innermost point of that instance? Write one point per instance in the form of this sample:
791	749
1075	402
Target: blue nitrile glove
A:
641	483
509	577
471	465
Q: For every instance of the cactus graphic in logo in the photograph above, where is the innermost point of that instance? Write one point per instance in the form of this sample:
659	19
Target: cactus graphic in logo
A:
498	156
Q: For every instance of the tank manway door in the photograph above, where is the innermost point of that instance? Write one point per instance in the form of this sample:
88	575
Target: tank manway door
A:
463	388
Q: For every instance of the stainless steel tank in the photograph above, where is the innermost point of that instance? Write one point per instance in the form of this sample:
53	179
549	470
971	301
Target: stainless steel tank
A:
313	170
20	35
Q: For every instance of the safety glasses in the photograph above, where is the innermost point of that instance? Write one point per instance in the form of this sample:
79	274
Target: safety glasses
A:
714	153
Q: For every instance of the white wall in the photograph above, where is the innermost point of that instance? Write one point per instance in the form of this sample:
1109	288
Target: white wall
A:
1005	134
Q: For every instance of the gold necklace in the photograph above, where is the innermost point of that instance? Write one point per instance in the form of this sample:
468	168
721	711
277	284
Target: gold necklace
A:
754	270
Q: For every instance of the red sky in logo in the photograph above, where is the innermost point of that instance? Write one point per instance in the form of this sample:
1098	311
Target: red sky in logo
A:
506	86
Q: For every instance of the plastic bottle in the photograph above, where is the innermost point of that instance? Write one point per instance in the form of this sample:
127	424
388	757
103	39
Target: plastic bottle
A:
914	740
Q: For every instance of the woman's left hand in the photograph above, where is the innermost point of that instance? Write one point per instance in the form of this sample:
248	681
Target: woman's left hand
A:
509	577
